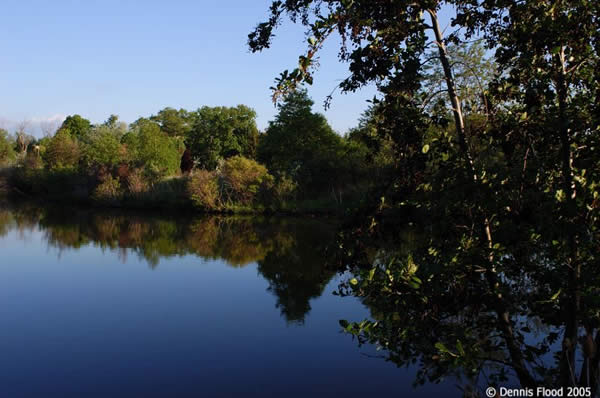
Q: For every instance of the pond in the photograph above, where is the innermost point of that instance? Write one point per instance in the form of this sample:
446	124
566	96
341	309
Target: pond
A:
106	303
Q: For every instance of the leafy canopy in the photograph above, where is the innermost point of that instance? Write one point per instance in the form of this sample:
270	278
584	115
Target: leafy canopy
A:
222	132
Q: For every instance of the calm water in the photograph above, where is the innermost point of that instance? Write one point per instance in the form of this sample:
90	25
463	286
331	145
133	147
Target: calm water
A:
121	304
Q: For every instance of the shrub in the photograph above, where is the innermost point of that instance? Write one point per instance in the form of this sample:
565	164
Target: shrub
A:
203	189
109	190
284	189
62	152
136	182
32	161
242	179
7	152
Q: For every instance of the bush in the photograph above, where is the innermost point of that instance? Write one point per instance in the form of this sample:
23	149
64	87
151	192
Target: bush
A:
109	190
62	152
136	182
32	161
7	152
284	189
203	189
242	179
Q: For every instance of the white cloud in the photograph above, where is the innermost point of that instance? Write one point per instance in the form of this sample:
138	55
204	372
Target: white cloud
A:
36	126
58	118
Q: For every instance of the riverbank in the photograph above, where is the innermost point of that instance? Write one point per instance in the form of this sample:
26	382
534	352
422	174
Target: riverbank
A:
171	193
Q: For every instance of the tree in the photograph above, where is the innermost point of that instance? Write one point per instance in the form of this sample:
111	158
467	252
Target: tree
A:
150	148
113	123
77	126
300	143
222	132
22	138
534	148
187	164
103	146
62	151
49	127
551	54
7	153
175	123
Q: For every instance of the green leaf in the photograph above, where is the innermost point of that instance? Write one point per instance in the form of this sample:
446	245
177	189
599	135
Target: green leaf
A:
441	347
460	348
371	274
354	281
425	148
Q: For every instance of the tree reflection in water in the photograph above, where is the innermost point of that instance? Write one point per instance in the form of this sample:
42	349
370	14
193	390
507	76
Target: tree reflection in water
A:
289	252
434	305
431	301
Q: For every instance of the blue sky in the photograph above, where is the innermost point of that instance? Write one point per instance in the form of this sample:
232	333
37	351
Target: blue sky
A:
133	58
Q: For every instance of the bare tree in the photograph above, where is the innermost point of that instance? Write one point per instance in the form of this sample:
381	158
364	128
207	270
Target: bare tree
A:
23	139
50	126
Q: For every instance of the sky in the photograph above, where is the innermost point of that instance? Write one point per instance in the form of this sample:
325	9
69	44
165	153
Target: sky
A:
132	58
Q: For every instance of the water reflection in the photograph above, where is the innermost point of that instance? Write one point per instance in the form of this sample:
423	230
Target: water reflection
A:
523	323
289	253
434	307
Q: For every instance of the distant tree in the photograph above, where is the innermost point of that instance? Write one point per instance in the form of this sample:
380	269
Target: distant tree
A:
22	138
49	127
62	151
300	143
175	123
118	128
187	163
103	147
7	152
77	126
152	149
222	132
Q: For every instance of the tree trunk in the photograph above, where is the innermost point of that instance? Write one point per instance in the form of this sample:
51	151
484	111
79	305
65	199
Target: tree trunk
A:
567	366
454	99
500	307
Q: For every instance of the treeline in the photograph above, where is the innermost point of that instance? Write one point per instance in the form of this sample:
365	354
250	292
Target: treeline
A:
214	158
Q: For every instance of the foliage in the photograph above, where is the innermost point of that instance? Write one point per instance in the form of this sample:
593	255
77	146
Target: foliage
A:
108	191
203	188
222	132
242	179
238	181
501	175
136	182
187	163
7	153
173	122
280	191
103	147
77	126
62	151
152	149
301	144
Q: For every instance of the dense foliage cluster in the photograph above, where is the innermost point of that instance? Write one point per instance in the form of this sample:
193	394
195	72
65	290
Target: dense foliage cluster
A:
498	165
214	158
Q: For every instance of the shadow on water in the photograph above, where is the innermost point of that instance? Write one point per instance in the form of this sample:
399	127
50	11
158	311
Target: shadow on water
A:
289	252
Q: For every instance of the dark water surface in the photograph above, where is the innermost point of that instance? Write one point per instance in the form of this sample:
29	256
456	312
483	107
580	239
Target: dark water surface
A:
121	304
